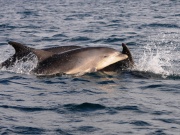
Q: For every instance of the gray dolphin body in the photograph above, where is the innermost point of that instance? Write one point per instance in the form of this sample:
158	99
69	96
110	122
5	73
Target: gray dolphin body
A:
72	59
79	61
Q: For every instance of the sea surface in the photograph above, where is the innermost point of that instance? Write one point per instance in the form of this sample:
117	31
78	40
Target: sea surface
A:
144	100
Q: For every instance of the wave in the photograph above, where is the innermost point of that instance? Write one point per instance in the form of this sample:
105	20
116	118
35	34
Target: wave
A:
162	25
90	107
25	108
84	107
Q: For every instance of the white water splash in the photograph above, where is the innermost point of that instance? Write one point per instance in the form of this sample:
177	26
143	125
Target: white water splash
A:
161	55
6	52
20	66
23	67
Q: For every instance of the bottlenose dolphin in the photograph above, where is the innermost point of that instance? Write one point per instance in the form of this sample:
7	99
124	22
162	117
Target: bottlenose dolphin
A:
79	61
52	54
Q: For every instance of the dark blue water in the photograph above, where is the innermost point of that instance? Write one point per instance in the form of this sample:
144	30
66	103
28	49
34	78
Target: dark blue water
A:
145	100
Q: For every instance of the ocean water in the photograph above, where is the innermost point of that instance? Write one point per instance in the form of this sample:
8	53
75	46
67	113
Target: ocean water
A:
141	101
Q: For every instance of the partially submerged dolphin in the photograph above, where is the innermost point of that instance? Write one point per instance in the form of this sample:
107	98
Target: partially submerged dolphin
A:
79	61
72	59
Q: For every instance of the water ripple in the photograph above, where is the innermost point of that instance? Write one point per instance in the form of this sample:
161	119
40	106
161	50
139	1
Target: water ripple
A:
169	121
84	107
77	39
140	123
156	25
27	130
24	109
88	129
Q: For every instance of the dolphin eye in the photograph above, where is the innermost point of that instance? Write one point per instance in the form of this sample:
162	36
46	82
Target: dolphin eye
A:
105	56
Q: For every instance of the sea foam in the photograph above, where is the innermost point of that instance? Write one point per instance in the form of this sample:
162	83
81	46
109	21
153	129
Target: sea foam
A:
160	55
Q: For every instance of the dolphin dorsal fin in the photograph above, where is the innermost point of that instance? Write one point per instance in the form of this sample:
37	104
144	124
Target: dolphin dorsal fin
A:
22	49
127	51
19	48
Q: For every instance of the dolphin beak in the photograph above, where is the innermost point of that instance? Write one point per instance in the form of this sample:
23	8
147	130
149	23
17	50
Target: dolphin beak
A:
116	57
120	56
